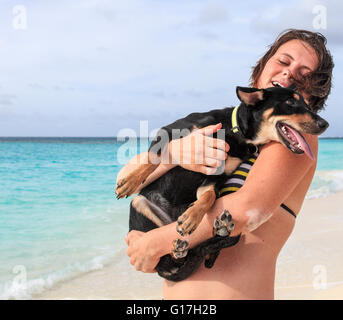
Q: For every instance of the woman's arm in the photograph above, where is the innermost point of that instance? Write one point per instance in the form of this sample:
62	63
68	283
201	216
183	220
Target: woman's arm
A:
186	153
275	174
271	180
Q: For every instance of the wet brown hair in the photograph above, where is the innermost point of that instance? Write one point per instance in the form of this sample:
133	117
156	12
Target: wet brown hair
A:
316	84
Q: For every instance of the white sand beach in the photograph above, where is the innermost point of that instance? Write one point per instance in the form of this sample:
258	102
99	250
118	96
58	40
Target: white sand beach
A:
309	266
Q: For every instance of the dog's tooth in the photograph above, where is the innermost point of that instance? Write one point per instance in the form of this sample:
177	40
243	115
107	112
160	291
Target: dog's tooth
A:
276	83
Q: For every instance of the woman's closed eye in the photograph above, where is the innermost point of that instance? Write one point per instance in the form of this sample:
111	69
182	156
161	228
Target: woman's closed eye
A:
285	63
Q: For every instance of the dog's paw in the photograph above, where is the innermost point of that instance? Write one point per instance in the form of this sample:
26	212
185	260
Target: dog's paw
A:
180	248
223	224
126	187
188	221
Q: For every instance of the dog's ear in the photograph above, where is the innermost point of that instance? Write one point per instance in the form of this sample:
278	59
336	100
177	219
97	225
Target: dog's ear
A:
250	96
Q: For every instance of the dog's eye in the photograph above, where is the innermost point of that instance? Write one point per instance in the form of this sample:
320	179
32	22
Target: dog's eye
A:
290	102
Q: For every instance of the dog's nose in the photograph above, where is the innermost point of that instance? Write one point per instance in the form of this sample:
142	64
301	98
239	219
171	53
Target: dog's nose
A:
322	124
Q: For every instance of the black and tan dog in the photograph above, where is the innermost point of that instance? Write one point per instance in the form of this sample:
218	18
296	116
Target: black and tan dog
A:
264	115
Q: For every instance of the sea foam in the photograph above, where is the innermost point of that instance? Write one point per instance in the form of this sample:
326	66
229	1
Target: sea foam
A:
325	183
21	288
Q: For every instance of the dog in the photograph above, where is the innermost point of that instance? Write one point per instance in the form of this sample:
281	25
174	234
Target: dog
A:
273	114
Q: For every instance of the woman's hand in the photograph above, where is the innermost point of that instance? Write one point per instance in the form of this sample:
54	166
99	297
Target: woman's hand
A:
143	251
199	151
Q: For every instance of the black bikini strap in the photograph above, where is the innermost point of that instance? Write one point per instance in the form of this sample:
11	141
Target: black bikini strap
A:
288	209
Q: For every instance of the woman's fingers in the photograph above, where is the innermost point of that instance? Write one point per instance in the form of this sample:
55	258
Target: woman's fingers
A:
214	153
132	236
209	130
217	144
142	257
214	142
199	151
206	170
213	163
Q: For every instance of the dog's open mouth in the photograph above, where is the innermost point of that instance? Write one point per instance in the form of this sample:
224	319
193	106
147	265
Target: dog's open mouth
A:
293	139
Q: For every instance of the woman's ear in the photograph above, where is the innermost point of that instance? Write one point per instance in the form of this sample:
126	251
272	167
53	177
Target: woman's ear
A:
249	96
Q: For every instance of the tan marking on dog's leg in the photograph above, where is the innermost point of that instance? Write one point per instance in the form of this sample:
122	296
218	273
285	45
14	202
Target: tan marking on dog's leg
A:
201	190
139	203
191	218
231	164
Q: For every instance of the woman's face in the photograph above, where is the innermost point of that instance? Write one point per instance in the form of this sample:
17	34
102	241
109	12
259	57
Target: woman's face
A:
294	58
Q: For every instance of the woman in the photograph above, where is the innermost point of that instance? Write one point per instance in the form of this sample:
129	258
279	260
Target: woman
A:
247	270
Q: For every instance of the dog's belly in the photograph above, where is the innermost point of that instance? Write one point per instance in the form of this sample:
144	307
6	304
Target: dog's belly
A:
139	222
174	191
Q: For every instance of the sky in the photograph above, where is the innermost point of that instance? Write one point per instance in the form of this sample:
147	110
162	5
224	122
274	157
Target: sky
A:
98	68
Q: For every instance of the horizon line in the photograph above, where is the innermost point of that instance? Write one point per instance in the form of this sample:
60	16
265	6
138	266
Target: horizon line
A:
104	137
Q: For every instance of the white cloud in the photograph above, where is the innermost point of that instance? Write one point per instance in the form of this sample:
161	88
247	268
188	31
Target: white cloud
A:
213	13
299	14
120	57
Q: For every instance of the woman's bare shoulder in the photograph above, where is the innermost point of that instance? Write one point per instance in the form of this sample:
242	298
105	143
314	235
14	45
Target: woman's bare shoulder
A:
275	174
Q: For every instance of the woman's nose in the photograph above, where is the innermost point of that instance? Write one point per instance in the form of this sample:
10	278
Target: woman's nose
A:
286	73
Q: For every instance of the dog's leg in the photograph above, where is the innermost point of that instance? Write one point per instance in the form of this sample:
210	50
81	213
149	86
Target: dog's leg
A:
147	164
191	218
127	185
150	211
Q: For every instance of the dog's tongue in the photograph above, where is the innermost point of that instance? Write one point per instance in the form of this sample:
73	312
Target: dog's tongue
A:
302	142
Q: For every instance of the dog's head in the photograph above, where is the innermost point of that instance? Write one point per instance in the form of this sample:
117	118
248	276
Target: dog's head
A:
280	114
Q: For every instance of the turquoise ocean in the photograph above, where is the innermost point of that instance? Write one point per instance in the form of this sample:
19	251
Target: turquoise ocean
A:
59	217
